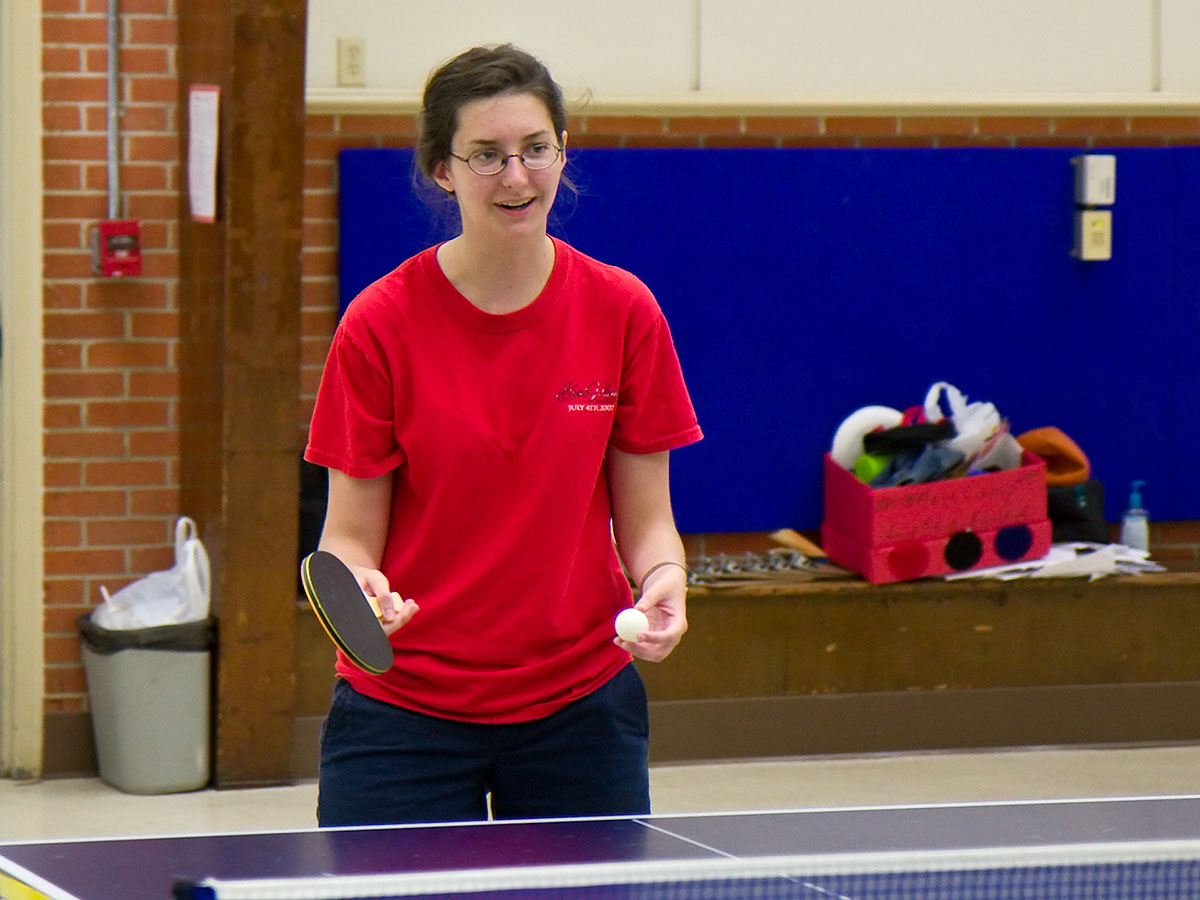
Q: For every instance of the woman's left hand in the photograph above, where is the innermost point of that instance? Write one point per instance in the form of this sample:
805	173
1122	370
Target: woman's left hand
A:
664	601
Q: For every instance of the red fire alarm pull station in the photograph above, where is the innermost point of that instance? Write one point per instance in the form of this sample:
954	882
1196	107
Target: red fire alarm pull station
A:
116	243
116	248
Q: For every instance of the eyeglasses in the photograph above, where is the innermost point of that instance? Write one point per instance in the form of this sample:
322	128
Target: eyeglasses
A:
541	155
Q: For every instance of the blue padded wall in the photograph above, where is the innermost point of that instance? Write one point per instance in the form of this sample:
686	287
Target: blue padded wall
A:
803	284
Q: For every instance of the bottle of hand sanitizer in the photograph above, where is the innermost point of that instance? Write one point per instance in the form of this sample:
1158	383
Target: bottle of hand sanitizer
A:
1135	526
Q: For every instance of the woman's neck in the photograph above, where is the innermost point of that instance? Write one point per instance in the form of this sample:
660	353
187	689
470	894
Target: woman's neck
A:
498	278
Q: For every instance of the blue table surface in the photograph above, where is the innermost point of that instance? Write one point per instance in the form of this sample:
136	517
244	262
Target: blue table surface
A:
146	867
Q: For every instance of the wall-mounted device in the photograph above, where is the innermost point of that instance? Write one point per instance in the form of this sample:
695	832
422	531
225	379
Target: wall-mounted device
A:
115	241
116	248
1093	234
1095	186
1095	179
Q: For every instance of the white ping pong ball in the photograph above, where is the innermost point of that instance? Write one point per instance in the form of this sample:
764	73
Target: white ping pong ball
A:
631	623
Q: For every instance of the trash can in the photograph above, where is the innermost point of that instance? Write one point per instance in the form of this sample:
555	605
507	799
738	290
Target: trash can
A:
150	697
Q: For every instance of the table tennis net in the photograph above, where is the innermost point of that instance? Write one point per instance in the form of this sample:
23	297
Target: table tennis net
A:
1162	871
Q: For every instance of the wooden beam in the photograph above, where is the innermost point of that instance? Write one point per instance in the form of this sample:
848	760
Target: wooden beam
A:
239	300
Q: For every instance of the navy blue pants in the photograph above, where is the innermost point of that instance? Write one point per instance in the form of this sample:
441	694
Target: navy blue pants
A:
381	764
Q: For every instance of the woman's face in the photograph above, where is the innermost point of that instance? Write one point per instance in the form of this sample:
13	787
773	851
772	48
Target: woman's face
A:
516	201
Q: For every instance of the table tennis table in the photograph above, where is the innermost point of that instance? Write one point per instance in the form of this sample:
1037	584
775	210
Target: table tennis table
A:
1145	847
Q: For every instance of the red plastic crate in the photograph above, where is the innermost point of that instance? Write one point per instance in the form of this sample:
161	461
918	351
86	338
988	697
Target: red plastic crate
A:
900	533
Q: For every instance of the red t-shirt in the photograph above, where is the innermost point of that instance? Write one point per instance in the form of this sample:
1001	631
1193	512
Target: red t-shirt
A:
496	427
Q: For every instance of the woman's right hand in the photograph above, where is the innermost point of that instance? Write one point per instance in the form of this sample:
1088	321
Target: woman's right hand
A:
394	611
355	531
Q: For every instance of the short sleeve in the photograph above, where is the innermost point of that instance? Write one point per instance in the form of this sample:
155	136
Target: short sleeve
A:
353	426
654	411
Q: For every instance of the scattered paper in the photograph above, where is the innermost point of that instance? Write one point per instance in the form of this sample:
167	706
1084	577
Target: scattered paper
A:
1071	560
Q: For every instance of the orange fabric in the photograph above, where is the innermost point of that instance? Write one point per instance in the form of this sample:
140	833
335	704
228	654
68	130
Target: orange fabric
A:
1066	463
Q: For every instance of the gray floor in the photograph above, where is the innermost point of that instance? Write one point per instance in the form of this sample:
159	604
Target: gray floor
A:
89	808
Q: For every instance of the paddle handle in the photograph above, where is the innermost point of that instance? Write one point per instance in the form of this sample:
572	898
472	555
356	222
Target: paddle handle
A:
397	602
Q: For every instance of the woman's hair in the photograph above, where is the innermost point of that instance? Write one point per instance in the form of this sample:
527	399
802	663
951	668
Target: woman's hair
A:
478	74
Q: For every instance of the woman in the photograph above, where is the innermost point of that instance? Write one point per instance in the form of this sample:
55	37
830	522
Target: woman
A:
493	414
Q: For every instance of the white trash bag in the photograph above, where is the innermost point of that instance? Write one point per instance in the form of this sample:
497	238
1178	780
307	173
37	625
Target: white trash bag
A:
172	597
975	422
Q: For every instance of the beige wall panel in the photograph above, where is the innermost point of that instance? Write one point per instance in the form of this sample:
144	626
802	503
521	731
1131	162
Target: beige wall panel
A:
614	47
1180	46
885	46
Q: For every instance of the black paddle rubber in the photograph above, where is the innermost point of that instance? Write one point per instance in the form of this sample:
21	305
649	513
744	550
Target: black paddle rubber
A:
344	612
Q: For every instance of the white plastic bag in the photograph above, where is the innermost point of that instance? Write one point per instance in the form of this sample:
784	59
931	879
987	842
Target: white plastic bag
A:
171	597
975	422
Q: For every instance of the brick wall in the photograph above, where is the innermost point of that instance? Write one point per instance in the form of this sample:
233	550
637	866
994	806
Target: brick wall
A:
111	443
111	440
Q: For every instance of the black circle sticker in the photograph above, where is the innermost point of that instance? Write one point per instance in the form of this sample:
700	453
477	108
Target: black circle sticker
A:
963	550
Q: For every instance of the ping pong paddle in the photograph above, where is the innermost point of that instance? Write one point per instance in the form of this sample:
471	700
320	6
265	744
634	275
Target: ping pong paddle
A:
345	612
